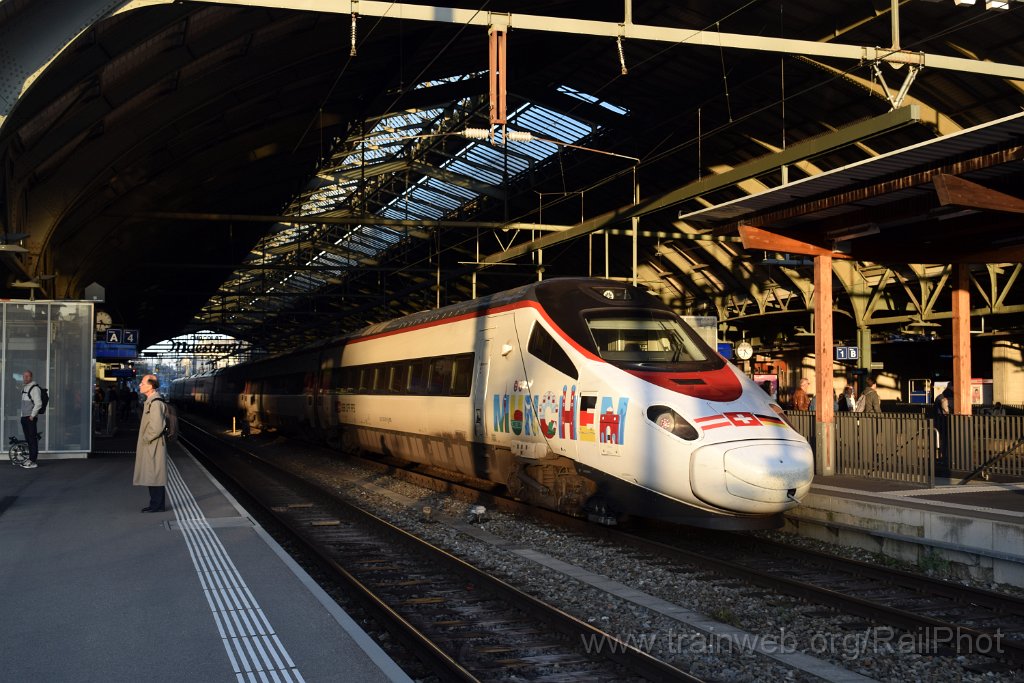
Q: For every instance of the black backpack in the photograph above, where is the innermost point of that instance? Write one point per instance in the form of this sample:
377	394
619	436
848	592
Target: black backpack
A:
170	420
44	397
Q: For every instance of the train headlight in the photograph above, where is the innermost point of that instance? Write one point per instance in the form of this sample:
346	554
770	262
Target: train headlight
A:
671	421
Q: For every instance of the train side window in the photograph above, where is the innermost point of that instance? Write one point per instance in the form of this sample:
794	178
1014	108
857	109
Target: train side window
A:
399	378
544	347
418	377
379	383
344	380
440	380
462	375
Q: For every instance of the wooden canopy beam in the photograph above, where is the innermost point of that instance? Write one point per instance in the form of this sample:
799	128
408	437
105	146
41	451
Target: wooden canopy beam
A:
759	238
955	191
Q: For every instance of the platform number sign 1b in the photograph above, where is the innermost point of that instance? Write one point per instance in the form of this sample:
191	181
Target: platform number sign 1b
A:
847	352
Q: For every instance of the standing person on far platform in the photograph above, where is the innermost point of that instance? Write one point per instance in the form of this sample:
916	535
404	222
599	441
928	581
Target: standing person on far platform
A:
801	399
31	404
847	402
872	402
151	449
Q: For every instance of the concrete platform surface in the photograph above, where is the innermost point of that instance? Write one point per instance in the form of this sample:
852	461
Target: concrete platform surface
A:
91	589
974	530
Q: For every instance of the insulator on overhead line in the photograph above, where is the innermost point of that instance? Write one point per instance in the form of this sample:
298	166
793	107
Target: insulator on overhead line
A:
477	133
519	136
352	48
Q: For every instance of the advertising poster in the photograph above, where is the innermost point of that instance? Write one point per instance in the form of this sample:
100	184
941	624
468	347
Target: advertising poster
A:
770	384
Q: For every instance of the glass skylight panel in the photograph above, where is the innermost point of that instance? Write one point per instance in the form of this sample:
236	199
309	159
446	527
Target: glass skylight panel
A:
446	193
326	258
307	282
485	174
353	245
572	92
412	208
550	124
338	263
429	197
368	237
426	198
496	157
454	192
382	236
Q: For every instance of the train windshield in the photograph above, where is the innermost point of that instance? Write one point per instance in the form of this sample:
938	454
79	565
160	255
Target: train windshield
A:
640	338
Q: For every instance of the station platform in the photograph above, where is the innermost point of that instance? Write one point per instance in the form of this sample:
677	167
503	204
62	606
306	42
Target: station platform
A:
94	590
975	529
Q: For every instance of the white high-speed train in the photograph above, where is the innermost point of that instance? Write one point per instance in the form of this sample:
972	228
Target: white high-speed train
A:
586	396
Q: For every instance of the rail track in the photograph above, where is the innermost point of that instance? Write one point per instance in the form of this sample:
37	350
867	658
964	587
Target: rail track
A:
934	617
460	621
938	617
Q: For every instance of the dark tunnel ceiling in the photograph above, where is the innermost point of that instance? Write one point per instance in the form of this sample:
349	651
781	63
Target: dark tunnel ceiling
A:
198	108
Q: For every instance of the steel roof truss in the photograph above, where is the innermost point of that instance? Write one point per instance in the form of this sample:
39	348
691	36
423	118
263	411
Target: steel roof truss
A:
662	34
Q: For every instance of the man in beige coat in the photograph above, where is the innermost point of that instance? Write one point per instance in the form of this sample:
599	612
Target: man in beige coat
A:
151	449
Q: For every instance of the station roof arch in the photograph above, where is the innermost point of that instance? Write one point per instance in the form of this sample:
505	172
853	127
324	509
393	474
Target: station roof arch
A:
278	174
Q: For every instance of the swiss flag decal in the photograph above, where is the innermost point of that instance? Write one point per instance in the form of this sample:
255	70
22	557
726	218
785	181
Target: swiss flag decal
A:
743	419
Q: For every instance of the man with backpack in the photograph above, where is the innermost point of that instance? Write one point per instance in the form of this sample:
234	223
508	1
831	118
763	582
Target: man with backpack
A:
151	448
869	401
31	407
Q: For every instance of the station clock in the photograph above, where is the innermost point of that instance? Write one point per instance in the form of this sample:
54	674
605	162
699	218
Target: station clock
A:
103	321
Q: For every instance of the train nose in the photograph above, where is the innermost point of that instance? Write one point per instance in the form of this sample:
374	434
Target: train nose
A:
760	477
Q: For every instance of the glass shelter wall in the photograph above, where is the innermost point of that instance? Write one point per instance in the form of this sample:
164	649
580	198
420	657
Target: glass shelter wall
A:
55	341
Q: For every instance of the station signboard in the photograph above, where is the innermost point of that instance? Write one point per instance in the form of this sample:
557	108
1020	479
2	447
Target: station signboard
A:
847	353
107	351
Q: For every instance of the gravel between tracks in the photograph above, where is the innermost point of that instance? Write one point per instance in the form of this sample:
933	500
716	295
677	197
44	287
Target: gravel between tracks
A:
780	623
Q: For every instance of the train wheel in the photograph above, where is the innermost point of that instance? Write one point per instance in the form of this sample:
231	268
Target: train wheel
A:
598	510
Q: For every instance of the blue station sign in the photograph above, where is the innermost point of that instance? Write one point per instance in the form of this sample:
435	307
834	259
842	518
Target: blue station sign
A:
847	353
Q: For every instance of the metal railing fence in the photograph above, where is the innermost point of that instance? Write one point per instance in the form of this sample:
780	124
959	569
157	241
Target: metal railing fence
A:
893	446
906	446
976	439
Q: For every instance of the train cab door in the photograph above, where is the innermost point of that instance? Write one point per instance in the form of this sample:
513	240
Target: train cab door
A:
497	355
251	402
480	391
551	398
321	399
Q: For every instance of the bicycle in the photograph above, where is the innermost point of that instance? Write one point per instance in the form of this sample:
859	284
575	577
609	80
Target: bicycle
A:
18	451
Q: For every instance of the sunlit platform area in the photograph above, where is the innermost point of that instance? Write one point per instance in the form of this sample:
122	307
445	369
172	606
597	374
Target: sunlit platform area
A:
975	529
95	590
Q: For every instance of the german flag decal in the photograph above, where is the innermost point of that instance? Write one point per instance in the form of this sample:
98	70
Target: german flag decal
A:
739	420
